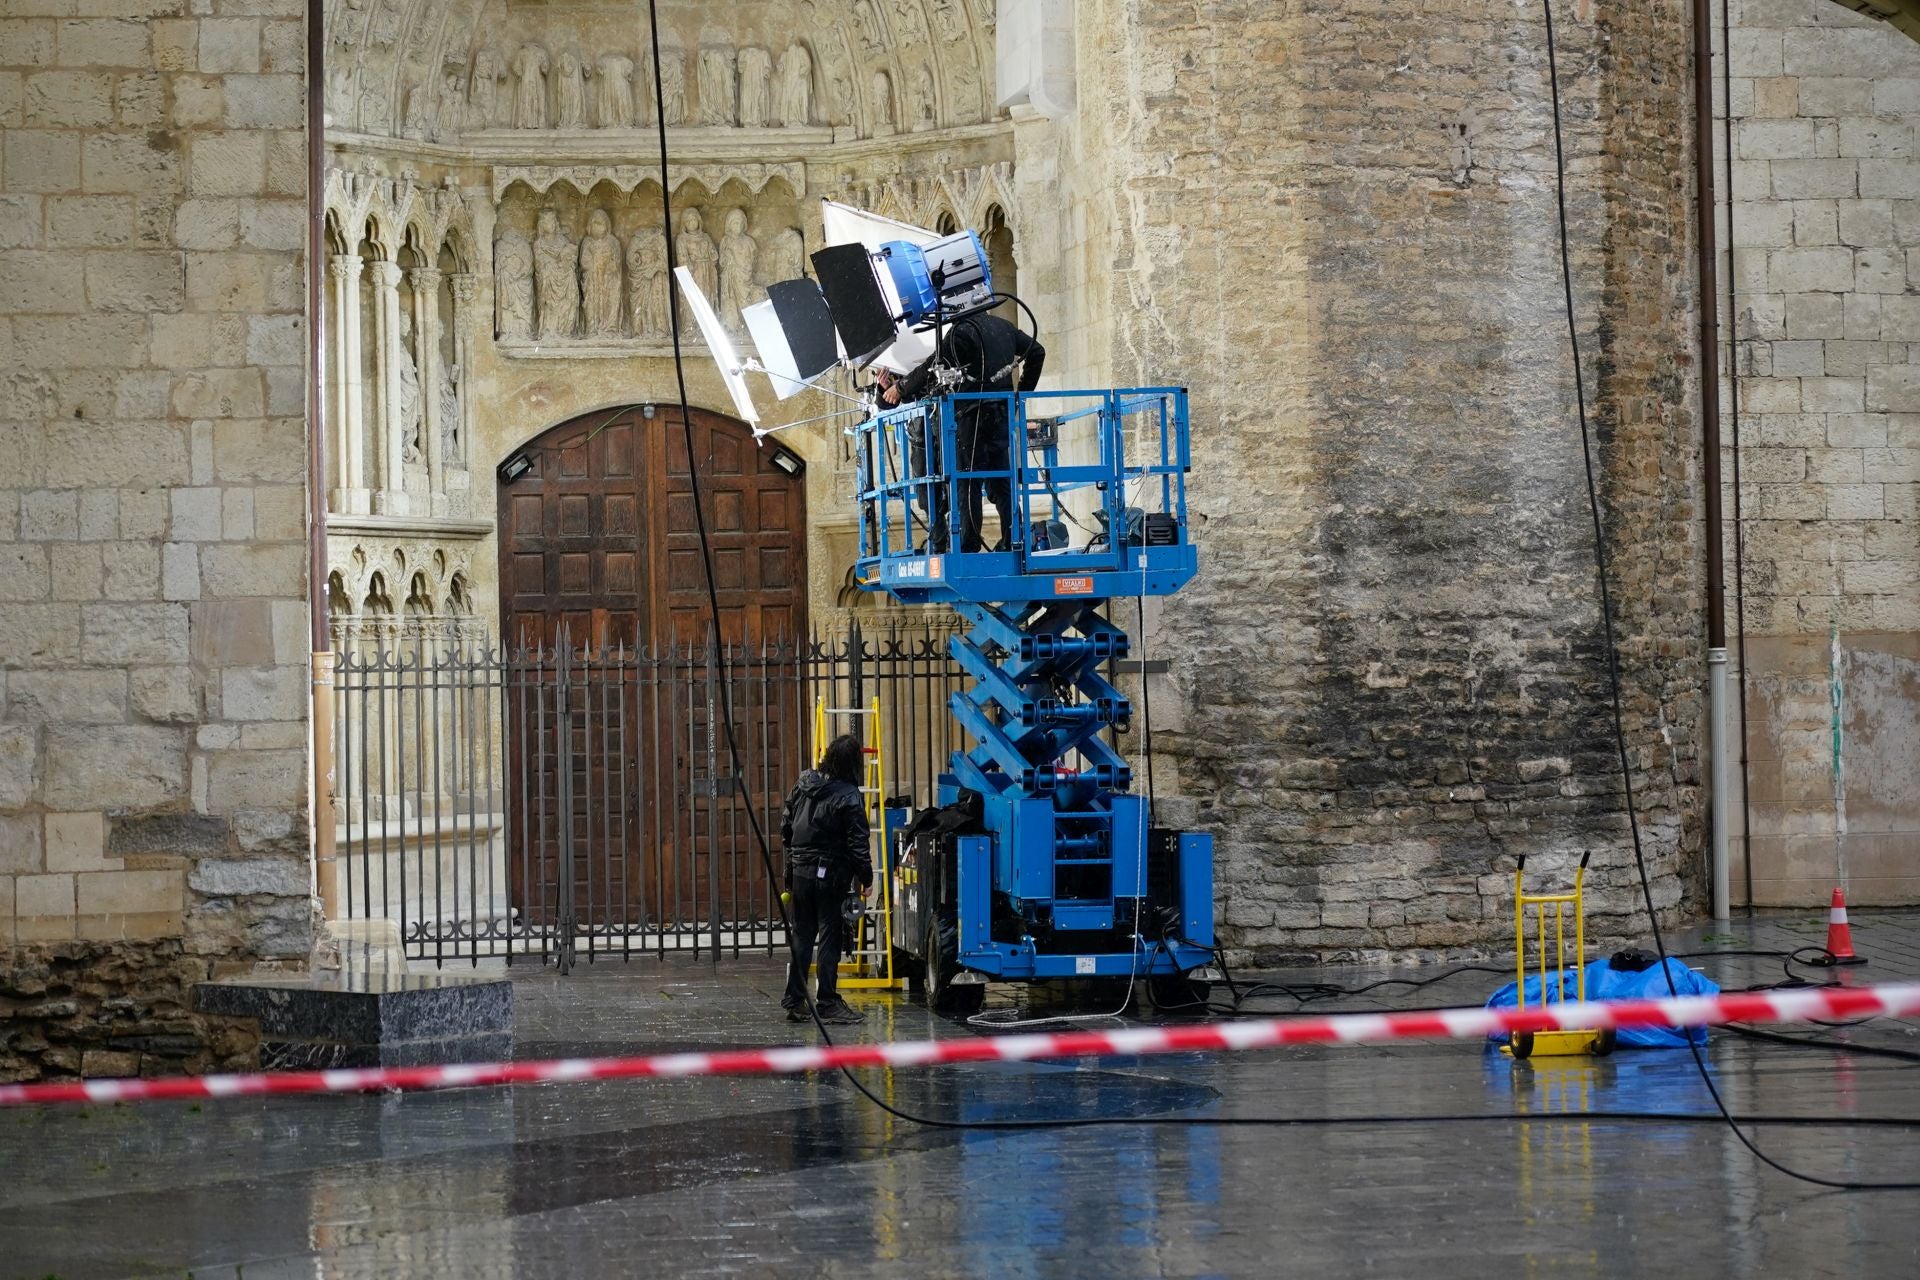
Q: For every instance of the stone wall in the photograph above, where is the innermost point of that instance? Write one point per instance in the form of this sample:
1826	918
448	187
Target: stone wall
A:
153	619
1825	326
1389	679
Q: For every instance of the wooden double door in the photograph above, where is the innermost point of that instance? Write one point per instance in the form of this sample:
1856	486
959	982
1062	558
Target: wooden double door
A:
625	808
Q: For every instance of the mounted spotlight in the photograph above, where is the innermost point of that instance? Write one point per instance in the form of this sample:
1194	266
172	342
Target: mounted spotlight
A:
788	461
515	467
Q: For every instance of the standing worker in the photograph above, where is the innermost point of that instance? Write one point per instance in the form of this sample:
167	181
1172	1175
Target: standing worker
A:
824	831
990	354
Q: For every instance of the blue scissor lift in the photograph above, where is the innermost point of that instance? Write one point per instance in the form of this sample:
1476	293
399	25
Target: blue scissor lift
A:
1059	873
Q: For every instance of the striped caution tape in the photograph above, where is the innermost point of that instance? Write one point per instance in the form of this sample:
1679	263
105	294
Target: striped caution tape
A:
1346	1028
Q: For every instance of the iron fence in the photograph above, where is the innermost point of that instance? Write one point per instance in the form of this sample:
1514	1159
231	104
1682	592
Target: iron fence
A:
548	803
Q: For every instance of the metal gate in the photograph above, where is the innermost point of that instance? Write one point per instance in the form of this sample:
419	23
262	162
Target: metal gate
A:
567	802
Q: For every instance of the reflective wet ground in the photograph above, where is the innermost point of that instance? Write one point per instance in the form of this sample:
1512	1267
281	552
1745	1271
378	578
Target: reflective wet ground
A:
804	1177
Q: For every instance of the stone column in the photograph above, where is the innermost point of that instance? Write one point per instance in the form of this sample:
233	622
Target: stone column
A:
391	497
465	288
426	335
349	428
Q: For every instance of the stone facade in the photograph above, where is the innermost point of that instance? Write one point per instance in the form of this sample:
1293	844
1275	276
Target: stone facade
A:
1825	333
153	618
1389	679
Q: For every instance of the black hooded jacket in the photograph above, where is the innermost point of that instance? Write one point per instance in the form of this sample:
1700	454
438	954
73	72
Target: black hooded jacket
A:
825	824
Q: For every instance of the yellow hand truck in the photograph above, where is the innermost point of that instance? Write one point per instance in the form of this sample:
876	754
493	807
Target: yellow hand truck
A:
868	962
1529	1044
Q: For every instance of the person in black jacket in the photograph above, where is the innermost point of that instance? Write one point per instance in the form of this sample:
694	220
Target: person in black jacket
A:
824	831
990	354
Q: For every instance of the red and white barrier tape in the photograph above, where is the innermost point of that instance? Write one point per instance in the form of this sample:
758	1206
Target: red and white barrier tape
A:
1346	1028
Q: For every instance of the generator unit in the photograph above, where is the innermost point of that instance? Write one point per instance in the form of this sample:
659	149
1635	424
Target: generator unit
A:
1041	860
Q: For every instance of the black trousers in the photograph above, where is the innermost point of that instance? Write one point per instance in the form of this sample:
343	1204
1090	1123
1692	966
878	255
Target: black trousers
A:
817	924
980	438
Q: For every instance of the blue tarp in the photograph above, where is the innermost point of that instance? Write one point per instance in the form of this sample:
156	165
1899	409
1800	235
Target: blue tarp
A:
1604	983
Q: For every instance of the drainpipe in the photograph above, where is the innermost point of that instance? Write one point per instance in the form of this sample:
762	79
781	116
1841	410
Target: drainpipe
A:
1710	446
326	880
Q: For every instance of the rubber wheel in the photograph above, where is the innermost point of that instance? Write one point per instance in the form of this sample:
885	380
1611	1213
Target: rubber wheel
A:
1521	1044
1603	1046
1178	993
941	969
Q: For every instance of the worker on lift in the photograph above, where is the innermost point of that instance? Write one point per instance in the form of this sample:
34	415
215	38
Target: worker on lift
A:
824	831
989	354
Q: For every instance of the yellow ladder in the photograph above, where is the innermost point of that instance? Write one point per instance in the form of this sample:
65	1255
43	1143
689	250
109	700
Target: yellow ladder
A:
868	963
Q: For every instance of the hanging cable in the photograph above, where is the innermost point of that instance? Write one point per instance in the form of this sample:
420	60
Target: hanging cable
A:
1612	645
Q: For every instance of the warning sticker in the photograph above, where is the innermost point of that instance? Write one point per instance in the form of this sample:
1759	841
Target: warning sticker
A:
1083	964
1073	586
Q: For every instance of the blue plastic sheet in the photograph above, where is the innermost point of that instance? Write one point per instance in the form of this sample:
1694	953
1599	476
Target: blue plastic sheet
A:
1604	983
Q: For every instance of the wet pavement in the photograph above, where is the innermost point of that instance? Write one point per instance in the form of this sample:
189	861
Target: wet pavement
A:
804	1177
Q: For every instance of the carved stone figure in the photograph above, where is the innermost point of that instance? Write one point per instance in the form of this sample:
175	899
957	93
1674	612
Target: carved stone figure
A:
673	88
410	409
794	101
880	106
413	122
452	108
483	88
838	104
694	250
375	109
614	105
512	285
872	34
530	88
909	23
716	86
923	100
600	276
756	88
556	278
570	71
647	293
737	253
947	16
450	448
787	257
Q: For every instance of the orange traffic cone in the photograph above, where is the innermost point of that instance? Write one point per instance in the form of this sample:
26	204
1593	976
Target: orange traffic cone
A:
1839	932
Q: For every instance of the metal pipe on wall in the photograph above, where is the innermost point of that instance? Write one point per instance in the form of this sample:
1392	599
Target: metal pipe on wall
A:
326	881
1709	302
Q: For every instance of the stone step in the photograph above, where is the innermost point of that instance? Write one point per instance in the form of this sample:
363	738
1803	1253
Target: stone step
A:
368	1017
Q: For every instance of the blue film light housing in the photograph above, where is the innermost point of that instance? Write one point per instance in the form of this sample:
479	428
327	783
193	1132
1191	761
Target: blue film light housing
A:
952	272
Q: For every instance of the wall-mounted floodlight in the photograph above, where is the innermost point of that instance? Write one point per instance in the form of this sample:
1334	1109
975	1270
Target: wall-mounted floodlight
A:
515	467
788	461
719	345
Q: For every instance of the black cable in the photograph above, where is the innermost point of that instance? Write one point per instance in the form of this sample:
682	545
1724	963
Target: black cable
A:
1400	1118
1613	651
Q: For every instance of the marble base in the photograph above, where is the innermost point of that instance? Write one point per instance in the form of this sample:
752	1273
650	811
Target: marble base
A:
368	1018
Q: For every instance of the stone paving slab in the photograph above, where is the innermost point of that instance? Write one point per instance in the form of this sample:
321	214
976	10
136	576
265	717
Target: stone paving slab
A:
802	1177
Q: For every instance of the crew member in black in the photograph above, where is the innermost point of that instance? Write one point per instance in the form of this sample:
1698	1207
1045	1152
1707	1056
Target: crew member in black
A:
990	354
824	831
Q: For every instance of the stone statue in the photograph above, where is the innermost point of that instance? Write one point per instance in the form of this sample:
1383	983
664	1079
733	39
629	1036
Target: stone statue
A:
795	100
556	278
909	24
615	102
483	88
409	370
737	254
838	105
450	451
413	123
452	110
947	16
647	293
881	108
923	100
756	88
872	35
569	90
673	88
787	258
375	109
694	250
716	86
600	276
512	285
530	88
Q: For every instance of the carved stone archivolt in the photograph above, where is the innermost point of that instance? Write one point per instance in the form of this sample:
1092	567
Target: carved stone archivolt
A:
628	178
442	69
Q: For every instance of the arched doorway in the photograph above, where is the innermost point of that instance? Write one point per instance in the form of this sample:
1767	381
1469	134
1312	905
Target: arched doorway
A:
625	822
599	536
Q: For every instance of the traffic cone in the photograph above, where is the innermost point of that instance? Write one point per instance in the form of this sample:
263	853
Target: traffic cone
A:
1839	932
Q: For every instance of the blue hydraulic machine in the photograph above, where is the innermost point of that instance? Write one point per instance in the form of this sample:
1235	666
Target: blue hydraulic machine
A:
1042	862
